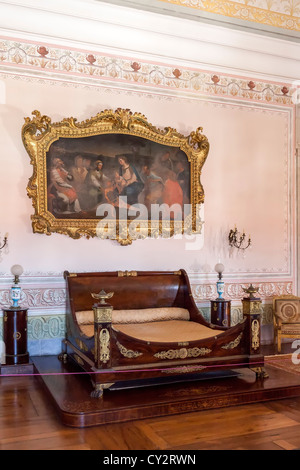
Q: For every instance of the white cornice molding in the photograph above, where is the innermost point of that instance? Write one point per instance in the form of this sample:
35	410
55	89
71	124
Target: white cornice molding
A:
125	31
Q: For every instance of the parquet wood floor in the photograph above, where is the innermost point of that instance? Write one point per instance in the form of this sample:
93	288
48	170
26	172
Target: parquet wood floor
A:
28	421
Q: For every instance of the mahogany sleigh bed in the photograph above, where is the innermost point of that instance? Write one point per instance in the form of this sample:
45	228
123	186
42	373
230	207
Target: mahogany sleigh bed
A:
127	326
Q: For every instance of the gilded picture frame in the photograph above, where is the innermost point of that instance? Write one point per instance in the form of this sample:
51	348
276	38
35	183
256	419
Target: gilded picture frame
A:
105	176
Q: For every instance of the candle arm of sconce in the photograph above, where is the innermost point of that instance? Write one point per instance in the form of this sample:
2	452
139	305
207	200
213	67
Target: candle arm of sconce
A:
4	242
236	239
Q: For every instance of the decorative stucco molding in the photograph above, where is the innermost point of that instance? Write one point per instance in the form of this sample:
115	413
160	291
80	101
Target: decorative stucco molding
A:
38	300
234	291
44	327
81	66
51	299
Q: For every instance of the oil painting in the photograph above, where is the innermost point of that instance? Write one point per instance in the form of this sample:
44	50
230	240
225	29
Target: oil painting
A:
114	175
114	169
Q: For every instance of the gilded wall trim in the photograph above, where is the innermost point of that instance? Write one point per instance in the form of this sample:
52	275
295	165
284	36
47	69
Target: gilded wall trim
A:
280	14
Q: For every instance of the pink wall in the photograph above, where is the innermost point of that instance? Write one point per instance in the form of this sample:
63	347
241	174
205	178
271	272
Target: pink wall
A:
248	178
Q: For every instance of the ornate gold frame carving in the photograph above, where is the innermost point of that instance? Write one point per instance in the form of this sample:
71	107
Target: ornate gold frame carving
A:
39	133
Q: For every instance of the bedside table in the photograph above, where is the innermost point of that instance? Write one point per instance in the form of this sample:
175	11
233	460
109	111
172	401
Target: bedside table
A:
220	312
15	335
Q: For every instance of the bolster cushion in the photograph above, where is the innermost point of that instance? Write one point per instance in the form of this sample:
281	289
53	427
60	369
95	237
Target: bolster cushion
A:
144	315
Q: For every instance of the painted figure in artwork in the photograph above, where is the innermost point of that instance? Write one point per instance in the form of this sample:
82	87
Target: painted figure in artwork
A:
96	183
172	193
79	173
62	195
153	189
117	170
129	181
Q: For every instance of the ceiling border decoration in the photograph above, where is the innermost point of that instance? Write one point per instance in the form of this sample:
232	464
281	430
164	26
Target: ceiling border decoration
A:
243	11
83	66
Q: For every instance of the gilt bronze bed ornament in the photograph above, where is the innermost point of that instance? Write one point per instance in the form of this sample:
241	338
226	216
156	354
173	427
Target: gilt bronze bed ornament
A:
102	296
113	176
102	310
251	290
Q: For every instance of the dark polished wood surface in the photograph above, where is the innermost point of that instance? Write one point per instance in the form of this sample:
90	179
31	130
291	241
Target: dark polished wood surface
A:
220	312
69	388
15	335
17	369
30	421
130	358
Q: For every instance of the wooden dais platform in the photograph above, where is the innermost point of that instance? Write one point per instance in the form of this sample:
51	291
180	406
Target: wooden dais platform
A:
17	369
70	390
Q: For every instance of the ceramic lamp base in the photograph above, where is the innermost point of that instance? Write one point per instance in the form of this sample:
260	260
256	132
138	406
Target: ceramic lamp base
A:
220	289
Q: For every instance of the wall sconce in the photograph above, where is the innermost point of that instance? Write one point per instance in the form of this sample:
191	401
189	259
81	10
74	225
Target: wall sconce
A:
4	245
238	240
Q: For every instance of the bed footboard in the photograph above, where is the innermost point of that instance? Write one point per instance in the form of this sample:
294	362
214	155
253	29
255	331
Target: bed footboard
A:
110	354
107	344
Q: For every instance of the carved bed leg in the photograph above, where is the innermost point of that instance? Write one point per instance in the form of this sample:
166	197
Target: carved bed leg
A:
260	372
63	356
98	390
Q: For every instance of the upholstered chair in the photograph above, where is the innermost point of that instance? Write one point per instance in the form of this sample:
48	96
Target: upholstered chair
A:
286	318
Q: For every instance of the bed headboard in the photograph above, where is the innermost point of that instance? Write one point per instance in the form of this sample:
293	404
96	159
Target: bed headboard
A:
132	289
